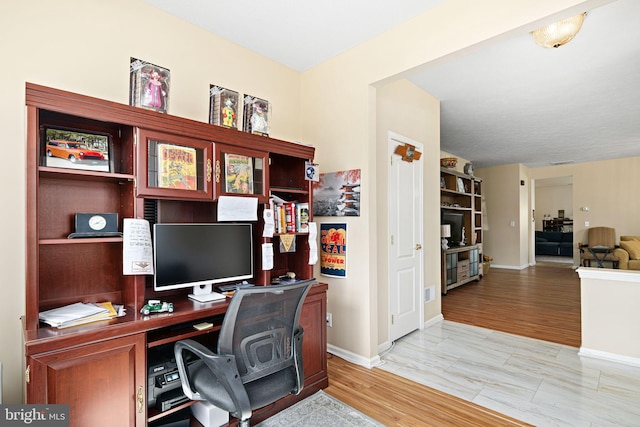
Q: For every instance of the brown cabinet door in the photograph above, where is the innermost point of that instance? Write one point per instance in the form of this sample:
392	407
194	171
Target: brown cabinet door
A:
241	172
174	167
314	343
103	383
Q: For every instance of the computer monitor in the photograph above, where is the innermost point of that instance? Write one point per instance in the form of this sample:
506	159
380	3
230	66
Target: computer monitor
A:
201	255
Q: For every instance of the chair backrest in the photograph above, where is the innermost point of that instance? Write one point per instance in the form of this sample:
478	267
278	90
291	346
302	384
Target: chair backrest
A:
601	236
259	328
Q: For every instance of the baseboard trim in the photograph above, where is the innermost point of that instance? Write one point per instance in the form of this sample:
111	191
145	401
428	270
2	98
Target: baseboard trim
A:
510	267
434	320
612	357
354	358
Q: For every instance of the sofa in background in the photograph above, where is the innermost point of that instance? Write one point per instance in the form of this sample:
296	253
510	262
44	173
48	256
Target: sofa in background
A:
628	253
556	243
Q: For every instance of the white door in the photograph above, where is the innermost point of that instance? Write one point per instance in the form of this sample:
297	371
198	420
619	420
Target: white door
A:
406	276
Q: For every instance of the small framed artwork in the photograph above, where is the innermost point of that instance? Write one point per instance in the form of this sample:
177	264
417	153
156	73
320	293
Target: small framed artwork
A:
256	115
223	107
460	185
71	149
177	167
238	174
337	194
442	182
149	85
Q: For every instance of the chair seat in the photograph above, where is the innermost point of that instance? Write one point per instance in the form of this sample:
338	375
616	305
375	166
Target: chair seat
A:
261	392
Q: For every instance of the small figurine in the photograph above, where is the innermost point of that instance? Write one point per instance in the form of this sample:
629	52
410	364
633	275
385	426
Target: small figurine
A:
228	113
156	306
444	243
154	93
259	119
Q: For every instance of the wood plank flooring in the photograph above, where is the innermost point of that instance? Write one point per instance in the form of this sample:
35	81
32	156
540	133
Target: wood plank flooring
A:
540	302
396	401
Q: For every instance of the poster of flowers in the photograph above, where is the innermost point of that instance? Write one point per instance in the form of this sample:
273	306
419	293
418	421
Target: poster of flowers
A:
337	194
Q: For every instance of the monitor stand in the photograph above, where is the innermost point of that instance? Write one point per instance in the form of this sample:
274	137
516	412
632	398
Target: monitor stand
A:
204	293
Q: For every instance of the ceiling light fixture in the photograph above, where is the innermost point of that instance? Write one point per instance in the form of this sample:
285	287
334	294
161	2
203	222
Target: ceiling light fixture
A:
558	33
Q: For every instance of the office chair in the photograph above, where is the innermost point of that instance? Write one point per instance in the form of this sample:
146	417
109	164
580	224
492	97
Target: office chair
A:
259	356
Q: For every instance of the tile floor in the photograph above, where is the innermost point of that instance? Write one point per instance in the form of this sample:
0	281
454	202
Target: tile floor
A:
541	383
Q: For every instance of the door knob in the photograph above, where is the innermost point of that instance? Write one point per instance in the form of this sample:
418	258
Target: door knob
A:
418	246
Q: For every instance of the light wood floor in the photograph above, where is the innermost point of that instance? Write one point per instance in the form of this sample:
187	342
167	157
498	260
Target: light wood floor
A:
541	302
396	401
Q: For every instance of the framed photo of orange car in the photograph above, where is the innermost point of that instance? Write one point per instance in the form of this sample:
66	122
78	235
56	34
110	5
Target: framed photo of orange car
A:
71	149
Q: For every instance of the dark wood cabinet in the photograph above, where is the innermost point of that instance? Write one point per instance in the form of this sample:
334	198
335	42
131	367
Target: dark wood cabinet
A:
103	382
100	369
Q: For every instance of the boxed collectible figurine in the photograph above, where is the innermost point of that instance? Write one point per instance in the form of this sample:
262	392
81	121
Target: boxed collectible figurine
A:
223	107
256	115
149	85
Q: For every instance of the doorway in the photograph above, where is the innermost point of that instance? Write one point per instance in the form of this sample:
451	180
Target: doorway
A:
553	207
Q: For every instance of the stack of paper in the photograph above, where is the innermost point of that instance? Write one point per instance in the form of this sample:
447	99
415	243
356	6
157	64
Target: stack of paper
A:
78	314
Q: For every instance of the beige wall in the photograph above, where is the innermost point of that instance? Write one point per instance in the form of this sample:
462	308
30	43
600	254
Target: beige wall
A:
407	110
84	46
550	199
594	186
339	103
503	196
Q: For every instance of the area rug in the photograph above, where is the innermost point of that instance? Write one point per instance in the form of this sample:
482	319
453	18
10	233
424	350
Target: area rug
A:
320	410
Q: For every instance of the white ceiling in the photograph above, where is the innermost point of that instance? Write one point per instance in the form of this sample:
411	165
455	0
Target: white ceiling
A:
510	102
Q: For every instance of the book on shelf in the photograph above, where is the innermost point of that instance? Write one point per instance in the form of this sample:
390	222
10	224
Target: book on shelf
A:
290	217
302	217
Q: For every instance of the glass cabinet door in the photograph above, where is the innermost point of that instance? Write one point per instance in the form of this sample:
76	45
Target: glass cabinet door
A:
170	166
240	171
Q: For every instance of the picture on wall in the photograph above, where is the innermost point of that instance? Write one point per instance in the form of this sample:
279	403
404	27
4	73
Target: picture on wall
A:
223	107
337	194
333	249
149	86
77	150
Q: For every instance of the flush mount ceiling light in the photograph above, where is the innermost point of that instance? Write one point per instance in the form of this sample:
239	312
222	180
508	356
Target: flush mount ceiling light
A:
559	33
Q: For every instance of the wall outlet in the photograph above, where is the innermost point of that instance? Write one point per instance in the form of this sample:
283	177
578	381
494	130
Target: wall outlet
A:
329	320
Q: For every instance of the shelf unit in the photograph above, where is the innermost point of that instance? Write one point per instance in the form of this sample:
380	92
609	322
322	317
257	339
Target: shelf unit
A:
557	224
463	194
61	271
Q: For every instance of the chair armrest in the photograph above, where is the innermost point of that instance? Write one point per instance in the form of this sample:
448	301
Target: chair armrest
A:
297	359
623	258
225	370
